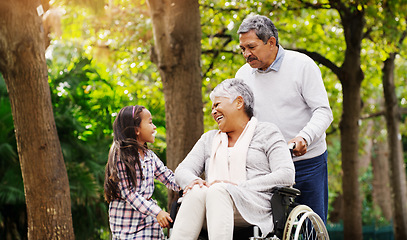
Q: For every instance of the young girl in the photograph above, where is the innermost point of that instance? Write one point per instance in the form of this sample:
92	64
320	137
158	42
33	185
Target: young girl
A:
129	178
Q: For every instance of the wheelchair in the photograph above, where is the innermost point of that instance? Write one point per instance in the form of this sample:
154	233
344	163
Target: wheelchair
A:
292	221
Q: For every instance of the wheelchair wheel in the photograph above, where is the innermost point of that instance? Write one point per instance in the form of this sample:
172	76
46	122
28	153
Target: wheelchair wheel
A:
304	224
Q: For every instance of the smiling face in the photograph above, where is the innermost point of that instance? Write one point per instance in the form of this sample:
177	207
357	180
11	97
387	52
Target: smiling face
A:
257	54
146	131
224	111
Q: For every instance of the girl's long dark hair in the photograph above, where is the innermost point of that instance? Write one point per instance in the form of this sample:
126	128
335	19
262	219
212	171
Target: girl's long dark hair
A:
124	147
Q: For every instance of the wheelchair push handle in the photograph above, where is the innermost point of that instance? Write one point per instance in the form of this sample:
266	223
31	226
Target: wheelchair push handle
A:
291	147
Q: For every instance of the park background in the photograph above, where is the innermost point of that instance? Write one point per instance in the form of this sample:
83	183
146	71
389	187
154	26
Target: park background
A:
168	55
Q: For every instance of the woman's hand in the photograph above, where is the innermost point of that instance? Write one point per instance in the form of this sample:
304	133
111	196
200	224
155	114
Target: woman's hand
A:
198	181
164	219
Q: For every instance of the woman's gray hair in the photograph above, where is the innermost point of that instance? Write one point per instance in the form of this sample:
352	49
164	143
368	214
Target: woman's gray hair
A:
233	88
262	25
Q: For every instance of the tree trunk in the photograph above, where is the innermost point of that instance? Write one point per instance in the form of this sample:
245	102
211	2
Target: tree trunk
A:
381	181
352	207
397	168
351	78
177	35
22	63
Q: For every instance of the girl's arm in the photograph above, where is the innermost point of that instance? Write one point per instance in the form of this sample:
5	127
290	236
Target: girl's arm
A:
164	174
129	194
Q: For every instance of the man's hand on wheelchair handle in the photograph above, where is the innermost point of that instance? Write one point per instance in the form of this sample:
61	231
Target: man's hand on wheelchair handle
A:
300	146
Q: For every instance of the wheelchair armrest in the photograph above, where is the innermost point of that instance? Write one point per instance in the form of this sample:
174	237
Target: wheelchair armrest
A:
180	193
175	205
281	203
286	191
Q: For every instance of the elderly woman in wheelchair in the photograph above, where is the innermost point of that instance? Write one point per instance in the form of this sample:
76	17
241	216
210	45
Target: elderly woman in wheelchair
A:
242	162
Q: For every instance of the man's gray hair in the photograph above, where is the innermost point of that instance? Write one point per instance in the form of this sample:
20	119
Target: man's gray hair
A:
233	88
262	25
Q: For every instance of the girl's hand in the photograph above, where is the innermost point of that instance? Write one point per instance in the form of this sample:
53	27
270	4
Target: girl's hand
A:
164	219
198	181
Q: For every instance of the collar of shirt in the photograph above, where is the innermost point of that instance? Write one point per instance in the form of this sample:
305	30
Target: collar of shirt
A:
275	66
147	156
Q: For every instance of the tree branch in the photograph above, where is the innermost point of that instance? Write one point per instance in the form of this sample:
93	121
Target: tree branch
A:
333	130
373	115
322	60
403	36
220	9
217	52
315	5
366	35
381	113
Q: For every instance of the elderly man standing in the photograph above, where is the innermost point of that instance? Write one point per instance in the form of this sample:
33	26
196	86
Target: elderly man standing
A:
289	92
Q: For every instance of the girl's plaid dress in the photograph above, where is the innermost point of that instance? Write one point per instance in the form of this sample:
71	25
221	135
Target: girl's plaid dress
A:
134	215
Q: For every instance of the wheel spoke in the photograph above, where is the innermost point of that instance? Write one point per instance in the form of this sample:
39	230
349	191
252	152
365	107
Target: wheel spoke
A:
304	224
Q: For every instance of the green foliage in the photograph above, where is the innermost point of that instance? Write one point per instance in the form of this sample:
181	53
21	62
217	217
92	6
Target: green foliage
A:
160	195
87	95
86	99
102	63
83	118
12	199
221	56
371	214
